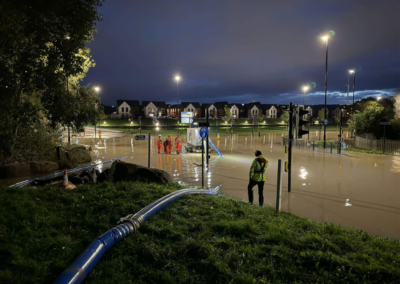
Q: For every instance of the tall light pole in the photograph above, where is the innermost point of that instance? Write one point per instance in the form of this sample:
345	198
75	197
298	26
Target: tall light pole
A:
305	89
326	38
354	81
97	90
177	79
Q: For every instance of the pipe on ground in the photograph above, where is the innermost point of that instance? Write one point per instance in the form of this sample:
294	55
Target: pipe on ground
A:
82	266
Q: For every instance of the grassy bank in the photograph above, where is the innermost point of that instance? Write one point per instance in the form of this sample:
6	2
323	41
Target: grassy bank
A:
198	239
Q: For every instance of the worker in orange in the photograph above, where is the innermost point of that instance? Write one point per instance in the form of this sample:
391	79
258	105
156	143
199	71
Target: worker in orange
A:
159	143
178	144
169	143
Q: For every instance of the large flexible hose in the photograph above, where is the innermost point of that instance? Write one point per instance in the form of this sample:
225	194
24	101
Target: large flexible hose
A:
81	267
215	148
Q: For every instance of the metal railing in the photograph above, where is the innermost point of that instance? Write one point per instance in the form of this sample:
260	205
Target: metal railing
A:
334	147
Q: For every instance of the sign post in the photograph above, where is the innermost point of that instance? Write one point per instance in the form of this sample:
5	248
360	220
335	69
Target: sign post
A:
384	134
289	183
279	187
149	150
203	134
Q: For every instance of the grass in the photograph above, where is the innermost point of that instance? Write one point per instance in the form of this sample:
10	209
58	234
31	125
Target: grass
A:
367	151
198	239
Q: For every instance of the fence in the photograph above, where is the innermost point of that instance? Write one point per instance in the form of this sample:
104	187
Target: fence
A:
391	146
316	146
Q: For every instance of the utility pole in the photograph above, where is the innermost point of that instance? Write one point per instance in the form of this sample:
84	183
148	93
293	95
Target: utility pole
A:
290	146
207	139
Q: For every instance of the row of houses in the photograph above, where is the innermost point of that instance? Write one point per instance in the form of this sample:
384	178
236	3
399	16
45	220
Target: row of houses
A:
133	109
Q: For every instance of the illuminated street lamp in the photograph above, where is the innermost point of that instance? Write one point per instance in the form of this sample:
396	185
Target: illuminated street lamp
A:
305	89
104	122
177	79
325	39
378	98
97	90
354	81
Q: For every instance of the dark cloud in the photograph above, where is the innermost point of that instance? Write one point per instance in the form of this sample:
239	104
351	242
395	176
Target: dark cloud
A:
243	50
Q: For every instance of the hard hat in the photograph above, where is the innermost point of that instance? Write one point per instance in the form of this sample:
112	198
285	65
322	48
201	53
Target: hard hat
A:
257	153
159	135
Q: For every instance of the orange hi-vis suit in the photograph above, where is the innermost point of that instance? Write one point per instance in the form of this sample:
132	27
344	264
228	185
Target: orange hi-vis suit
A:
159	144
178	145
169	145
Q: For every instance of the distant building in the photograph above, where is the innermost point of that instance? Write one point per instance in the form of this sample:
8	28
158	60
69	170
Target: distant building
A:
212	110
333	110
254	109
270	111
191	107
220	106
124	107
108	111
154	109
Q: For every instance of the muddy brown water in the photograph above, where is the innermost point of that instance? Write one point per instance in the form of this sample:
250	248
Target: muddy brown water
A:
353	190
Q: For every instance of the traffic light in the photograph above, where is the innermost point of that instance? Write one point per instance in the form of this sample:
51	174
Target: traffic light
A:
300	122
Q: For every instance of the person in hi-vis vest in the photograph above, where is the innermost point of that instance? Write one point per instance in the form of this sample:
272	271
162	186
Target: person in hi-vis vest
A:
257	177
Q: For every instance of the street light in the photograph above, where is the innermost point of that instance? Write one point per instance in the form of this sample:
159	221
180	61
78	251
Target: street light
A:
97	90
326	39
305	89
354	81
378	98
177	79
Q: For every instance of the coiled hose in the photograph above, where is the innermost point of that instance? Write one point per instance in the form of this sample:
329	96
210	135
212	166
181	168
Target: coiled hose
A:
82	266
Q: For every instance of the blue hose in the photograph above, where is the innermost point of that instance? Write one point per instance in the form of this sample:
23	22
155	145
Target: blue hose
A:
22	183
82	266
215	148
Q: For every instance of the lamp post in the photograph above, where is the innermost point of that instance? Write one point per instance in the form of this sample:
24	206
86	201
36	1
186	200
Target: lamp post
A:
97	90
326	38
305	89
177	79
354	81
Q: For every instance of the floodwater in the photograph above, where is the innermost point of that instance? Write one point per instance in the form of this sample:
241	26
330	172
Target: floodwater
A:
353	190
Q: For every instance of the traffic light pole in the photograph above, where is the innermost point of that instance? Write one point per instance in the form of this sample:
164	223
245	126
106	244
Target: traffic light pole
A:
290	146
340	134
207	140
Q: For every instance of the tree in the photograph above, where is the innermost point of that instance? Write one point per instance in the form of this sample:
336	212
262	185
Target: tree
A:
285	116
321	114
228	114
43	55
397	105
369	120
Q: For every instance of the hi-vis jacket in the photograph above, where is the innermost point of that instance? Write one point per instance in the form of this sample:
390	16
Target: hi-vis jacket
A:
258	167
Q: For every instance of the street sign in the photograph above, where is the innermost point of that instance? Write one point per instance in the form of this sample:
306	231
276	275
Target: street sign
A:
385	123
203	132
325	122
140	137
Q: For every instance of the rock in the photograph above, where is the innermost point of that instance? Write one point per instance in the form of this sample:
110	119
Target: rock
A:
24	169
104	176
78	155
42	167
86	180
75	180
15	170
131	172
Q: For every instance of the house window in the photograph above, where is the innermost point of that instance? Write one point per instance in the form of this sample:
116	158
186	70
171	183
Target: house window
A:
127	110
122	109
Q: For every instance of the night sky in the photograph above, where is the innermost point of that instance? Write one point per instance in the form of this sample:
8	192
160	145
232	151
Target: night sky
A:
239	51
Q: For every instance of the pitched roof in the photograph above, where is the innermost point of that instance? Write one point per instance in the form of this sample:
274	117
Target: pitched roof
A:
239	106
156	103
186	104
251	105
131	103
220	105
268	106
206	105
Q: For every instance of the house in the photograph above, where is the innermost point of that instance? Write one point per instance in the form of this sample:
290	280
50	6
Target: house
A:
220	106
172	110
212	110
191	107
154	109
237	110
124	108
254	109
270	111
